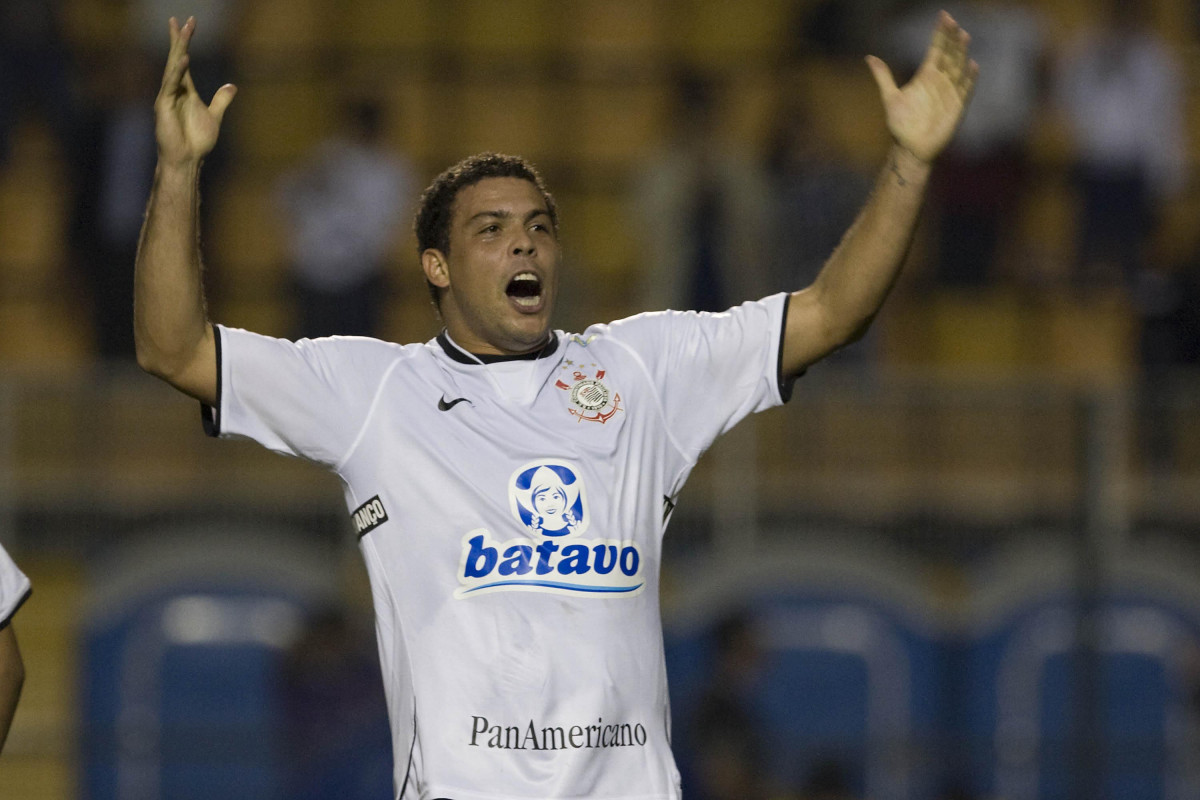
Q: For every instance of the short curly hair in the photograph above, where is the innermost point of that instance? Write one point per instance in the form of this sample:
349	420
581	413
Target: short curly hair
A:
436	207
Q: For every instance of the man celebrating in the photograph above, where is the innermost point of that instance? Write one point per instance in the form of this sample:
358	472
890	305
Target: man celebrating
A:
511	483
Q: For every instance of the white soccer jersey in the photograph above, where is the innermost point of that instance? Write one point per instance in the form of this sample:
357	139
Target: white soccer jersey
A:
511	514
14	588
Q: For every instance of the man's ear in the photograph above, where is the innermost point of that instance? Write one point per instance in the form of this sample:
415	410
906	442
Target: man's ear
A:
436	270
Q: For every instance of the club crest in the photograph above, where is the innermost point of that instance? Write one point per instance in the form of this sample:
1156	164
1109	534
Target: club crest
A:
589	398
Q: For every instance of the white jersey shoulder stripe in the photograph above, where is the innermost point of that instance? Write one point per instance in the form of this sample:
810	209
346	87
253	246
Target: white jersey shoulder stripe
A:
375	400
658	404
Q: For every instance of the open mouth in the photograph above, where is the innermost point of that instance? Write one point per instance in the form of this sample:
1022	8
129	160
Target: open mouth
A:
525	289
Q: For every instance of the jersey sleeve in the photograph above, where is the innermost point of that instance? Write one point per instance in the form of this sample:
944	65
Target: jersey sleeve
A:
711	370
309	398
14	588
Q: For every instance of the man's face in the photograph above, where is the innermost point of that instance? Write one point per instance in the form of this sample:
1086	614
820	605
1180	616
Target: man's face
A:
501	276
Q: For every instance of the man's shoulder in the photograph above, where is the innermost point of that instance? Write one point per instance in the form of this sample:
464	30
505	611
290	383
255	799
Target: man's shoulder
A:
338	354
669	333
364	347
643	339
654	325
625	328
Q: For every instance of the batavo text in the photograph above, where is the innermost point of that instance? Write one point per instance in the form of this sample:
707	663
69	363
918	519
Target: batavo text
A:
576	737
575	559
597	567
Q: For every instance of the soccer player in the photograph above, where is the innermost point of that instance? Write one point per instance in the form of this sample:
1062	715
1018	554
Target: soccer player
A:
14	591
510	483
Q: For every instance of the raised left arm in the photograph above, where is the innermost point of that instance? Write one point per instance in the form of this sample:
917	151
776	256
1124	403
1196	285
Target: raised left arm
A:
921	117
12	678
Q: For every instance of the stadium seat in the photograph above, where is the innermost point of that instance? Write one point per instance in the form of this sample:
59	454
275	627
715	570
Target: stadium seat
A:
515	115
204	617
980	332
416	120
265	314
612	126
608	33
597	226
1045	226
1025	687
848	107
245	245
385	27
1089	339
292	29
729	34
847	662
277	120
34	213
43	334
409	315
516	32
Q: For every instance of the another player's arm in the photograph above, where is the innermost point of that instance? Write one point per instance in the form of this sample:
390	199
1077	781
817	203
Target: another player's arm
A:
12	678
171	329
921	117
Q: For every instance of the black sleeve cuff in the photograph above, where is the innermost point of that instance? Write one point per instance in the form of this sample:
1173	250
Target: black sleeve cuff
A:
786	384
210	416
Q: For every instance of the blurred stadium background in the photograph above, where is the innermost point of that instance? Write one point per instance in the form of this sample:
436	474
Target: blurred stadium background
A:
964	564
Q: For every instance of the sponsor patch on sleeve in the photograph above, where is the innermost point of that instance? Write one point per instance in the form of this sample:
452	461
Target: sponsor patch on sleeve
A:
369	516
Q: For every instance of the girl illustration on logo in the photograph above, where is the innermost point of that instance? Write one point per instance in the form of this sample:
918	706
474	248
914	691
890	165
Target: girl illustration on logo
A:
551	504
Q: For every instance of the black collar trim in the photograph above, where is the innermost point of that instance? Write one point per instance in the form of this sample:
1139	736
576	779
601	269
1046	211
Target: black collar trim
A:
456	353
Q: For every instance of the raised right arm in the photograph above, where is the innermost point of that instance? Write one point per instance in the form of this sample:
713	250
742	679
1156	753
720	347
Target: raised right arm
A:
171	330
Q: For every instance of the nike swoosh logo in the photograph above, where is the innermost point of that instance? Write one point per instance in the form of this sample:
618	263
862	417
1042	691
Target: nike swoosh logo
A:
446	406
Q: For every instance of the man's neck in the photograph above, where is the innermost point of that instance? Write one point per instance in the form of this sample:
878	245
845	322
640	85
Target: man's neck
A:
493	355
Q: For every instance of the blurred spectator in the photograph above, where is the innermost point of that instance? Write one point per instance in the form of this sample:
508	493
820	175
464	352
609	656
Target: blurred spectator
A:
817	195
118	155
702	208
729	745
343	209
1168	304
838	28
335	713
977	187
35	71
1120	89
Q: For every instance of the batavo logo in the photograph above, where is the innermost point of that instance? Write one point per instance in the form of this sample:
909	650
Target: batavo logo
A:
548	500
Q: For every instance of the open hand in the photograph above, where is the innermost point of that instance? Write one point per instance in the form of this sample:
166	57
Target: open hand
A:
185	127
923	114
